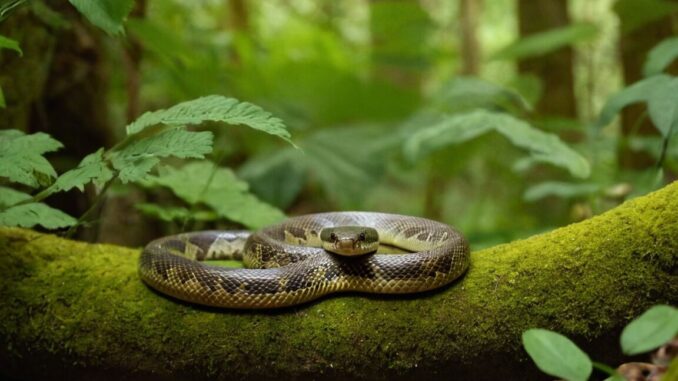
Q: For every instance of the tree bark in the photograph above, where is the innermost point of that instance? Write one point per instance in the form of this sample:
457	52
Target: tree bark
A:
469	11
554	69
73	311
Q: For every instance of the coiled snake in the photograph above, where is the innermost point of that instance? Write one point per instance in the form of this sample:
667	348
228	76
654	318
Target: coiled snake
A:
306	257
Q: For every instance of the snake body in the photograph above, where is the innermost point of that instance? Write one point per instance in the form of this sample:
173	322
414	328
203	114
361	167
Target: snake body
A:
286	264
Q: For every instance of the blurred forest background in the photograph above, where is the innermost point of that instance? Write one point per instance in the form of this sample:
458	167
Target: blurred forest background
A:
434	108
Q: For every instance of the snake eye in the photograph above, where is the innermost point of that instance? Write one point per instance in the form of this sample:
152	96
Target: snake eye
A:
362	236
333	237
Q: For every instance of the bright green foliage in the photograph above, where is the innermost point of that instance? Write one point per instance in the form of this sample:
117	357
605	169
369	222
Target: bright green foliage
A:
9	196
201	183
92	168
545	42
21	157
636	13
134	160
659	92
661	56
35	213
652	329
175	213
560	189
213	108
106	14
8	43
556	355
457	129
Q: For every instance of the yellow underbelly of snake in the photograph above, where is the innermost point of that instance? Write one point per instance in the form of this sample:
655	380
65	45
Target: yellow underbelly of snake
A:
286	264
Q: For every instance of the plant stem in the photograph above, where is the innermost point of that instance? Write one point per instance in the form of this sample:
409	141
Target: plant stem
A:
95	205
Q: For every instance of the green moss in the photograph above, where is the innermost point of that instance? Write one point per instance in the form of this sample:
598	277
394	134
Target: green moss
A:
75	303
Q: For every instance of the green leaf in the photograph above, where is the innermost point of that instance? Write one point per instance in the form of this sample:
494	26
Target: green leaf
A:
21	158
545	42
543	147
556	355
660	57
165	42
652	329
277	178
219	188
636	13
175	213
559	189
2	99
92	168
637	92
662	106
8	43
8	6
9	196
215	108
467	93
137	158
30	215
106	14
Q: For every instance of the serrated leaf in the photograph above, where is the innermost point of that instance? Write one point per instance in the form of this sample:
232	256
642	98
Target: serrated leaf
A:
652	329
21	157
557	355
137	158
220	189
660	57
215	108
559	189
8	43
543	147
30	215
9	196
175	213
92	168
545	42
637	92
662	106
106	14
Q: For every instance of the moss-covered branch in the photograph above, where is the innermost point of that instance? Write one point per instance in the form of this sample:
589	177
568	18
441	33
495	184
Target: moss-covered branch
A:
74	310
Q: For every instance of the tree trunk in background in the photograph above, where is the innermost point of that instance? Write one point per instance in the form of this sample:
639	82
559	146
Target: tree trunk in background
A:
634	47
555	69
469	12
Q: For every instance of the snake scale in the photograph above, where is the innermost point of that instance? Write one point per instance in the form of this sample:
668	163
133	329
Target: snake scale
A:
286	263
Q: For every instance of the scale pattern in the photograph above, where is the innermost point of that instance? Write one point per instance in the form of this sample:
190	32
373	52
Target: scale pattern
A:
286	264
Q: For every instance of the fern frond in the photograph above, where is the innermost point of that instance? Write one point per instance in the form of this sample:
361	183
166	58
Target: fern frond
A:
215	108
21	159
35	213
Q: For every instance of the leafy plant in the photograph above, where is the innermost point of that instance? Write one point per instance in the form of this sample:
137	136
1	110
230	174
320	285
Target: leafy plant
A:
558	356
545	42
152	137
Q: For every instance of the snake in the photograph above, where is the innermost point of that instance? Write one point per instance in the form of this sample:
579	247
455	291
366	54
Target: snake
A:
306	257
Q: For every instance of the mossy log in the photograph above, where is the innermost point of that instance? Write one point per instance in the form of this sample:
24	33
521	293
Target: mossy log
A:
71	310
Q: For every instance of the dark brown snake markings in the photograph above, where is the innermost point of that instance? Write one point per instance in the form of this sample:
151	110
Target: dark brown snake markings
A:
286	265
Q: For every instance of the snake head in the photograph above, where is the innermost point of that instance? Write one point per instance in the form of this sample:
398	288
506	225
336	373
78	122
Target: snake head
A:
350	240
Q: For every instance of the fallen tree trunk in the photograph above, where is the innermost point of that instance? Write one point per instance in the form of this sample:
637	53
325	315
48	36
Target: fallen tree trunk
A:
79	311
